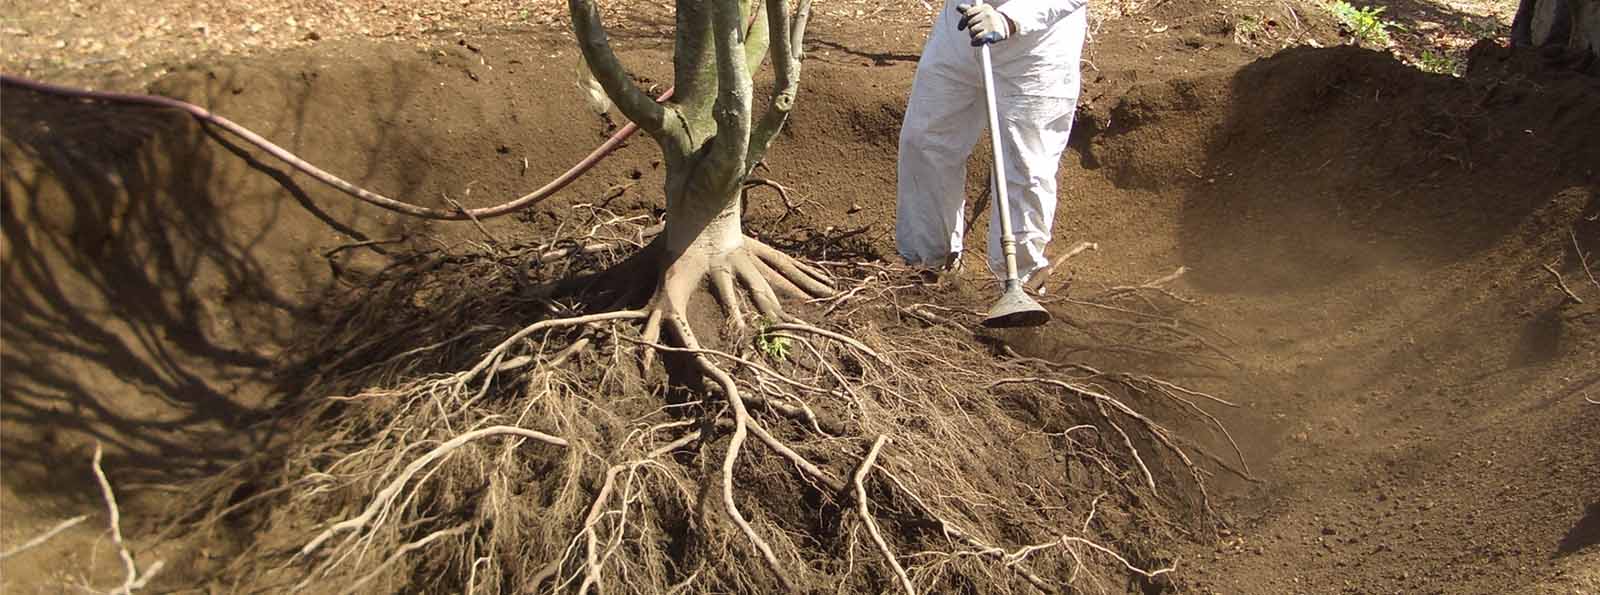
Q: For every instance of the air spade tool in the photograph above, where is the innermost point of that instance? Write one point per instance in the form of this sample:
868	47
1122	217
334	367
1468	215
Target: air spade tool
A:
1014	308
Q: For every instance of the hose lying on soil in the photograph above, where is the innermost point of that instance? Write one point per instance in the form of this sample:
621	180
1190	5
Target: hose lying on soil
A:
458	214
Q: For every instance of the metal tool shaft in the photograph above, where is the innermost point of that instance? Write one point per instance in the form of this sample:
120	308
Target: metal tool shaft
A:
1014	308
1008	242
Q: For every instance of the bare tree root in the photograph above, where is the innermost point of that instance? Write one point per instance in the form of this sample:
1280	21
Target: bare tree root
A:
385	498
593	562
1149	385
1562	284
866	515
1583	259
1154	430
791	205
1037	283
41	538
135	579
1142	320
400	553
739	473
1138	316
741	428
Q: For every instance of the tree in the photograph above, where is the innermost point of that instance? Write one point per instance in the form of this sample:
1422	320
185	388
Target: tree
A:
710	140
1585	35
1571	23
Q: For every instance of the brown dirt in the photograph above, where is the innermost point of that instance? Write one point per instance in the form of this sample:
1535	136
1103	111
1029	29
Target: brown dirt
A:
1372	237
1369	237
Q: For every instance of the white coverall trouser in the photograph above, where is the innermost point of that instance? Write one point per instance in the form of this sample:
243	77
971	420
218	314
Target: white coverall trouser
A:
1036	87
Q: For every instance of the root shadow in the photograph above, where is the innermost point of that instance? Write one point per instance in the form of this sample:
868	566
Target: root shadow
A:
1584	534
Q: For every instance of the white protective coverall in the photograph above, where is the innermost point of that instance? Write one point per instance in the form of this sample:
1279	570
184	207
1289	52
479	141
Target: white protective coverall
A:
1036	87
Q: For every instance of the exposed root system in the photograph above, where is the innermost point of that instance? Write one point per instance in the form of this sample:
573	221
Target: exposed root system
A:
886	450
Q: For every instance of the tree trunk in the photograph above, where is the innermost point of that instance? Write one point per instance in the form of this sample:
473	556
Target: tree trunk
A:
703	229
1571	23
1586	27
704	223
710	141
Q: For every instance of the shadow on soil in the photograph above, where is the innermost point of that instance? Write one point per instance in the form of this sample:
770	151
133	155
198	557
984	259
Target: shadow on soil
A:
1336	162
158	275
1584	534
113	250
153	289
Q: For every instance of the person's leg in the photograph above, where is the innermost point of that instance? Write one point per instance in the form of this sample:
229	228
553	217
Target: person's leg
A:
943	120
1034	132
1036	121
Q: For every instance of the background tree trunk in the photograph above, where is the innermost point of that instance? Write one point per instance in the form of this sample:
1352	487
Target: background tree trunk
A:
1572	23
1586	26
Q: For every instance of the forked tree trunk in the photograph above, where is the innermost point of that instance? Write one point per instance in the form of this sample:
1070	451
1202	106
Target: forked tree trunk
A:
710	141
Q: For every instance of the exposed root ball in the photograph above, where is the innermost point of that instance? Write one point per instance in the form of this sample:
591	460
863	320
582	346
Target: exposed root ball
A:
879	453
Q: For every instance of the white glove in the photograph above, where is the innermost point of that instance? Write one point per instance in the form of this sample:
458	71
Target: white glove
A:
983	23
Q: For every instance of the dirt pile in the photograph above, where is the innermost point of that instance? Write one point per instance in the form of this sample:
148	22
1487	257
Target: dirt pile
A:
1382	245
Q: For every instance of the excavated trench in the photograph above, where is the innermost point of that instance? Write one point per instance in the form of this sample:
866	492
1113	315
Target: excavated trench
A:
1365	245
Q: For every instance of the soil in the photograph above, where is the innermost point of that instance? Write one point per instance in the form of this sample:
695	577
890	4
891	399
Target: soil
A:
1371	241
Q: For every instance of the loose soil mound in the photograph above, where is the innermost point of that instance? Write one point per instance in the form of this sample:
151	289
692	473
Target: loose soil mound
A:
1367	243
1375	238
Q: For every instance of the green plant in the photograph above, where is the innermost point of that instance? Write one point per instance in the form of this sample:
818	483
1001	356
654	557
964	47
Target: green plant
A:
1437	63
775	347
1248	28
1364	24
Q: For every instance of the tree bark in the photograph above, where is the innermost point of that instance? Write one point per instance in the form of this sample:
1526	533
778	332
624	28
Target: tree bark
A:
709	142
1586	28
596	48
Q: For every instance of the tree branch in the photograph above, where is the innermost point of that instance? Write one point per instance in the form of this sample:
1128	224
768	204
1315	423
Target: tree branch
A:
732	107
756	35
797	37
785	33
695	85
608	70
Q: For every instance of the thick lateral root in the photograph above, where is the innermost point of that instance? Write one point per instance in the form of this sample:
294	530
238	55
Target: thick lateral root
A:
741	425
815	282
766	274
872	525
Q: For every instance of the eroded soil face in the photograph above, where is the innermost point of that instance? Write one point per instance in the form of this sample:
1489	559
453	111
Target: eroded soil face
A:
1371	240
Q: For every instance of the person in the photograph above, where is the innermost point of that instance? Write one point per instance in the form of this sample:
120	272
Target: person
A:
1036	46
